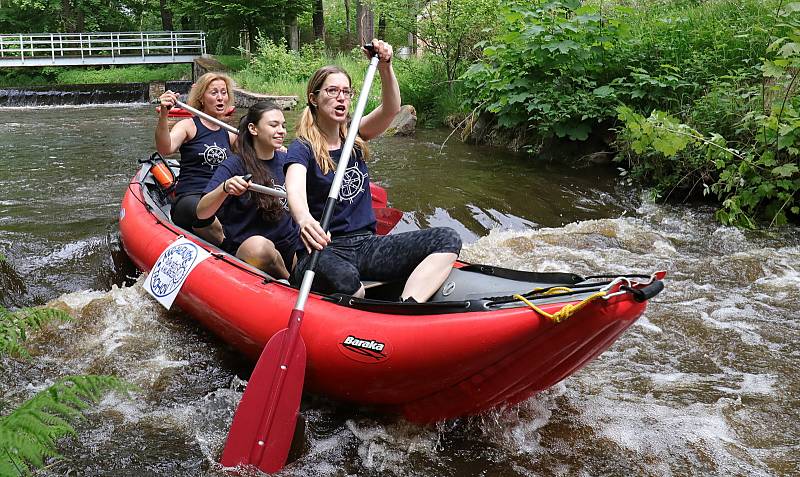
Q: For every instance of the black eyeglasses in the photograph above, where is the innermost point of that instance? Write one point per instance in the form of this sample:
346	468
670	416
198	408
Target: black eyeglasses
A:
333	92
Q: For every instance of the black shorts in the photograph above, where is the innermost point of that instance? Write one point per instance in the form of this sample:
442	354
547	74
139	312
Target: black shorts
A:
184	212
366	256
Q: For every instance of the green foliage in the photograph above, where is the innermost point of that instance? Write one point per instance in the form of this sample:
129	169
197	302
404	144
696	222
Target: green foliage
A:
761	181
548	69
232	62
755	176
15	326
273	61
448	29
35	16
423	85
23	77
224	19
126	74
29	434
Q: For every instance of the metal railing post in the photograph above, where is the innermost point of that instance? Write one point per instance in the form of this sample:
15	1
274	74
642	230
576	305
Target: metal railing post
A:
21	48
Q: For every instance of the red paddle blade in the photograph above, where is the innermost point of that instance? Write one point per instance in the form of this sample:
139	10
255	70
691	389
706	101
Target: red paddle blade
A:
387	218
263	425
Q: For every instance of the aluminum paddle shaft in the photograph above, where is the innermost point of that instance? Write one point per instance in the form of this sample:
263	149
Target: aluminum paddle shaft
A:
263	426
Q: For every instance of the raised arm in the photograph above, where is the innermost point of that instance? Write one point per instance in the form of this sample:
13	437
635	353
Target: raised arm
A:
311	232
167	142
376	122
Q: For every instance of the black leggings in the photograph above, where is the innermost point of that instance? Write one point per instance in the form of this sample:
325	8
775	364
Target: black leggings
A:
366	256
184	212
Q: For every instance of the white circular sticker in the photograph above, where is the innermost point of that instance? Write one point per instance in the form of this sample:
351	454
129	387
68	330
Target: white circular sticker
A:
171	270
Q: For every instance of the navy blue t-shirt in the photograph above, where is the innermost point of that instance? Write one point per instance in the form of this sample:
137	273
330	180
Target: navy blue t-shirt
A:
242	219
200	156
353	211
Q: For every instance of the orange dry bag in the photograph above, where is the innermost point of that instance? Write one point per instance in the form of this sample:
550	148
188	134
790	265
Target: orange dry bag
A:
161	171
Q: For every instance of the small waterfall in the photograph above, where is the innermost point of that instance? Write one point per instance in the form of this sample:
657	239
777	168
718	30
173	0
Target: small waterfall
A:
60	95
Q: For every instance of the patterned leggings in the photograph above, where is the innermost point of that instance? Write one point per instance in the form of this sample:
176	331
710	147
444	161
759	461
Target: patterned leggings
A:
366	256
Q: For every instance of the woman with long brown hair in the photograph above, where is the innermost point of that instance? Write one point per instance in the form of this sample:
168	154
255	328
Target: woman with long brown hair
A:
203	147
258	227
353	252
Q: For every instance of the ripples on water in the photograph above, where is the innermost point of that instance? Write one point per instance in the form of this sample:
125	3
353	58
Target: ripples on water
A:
705	383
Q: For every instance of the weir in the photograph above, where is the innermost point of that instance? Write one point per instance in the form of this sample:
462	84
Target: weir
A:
60	95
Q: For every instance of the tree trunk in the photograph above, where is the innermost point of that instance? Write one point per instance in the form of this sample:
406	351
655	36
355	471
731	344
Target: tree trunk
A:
412	36
66	16
318	20
365	23
348	32
294	34
80	22
166	16
381	27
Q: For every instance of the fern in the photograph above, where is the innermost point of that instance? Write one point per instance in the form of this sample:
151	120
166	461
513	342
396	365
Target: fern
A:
28	435
14	327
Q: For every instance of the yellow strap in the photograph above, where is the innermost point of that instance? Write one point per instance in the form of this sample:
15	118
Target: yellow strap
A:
566	311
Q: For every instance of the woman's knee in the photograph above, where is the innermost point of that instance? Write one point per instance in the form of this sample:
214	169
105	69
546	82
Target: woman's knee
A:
447	241
259	248
332	274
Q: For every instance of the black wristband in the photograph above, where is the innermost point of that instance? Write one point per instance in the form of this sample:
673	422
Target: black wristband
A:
224	186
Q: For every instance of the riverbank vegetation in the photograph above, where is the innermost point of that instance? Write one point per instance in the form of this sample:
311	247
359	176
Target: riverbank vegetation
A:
696	99
702	94
29	77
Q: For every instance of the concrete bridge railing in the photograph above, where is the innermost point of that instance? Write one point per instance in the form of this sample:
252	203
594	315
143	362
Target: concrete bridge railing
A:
104	48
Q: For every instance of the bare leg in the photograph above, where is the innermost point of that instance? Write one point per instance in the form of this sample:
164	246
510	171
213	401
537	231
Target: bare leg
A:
428	276
213	233
262	254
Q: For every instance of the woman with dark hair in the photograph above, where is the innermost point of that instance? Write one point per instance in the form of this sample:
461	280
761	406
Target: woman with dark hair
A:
353	252
258	228
203	147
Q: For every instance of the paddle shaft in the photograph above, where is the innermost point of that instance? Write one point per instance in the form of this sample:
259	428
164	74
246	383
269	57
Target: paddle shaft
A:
296	317
207	117
267	190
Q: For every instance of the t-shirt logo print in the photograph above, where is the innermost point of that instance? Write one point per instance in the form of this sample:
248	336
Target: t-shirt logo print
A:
352	184
284	200
213	155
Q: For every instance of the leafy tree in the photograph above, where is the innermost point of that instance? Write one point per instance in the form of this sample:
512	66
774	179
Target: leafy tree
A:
223	19
34	16
447	28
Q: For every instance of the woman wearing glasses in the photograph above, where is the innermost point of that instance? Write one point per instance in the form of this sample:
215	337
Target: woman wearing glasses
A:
353	252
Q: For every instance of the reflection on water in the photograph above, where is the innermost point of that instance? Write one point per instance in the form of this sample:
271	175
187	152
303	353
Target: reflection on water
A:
704	384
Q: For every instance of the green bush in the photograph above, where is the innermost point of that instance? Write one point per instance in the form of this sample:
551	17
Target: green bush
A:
740	141
549	69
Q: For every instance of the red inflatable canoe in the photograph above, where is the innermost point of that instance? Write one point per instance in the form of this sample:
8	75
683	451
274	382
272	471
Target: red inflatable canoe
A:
490	337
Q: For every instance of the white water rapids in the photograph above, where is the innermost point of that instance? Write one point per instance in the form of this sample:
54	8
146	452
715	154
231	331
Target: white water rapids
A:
705	383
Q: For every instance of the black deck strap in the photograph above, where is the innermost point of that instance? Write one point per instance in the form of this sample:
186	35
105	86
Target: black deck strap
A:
406	308
561	278
611	277
645	293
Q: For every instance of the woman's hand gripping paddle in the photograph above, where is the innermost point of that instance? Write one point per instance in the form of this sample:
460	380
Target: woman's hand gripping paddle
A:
264	422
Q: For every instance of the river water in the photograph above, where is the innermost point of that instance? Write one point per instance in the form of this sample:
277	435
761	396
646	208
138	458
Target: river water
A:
706	383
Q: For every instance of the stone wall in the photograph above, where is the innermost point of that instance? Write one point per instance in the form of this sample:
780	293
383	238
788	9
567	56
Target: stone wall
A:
243	98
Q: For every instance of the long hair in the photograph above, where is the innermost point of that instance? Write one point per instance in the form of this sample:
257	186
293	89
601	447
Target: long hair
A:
271	207
200	86
307	129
